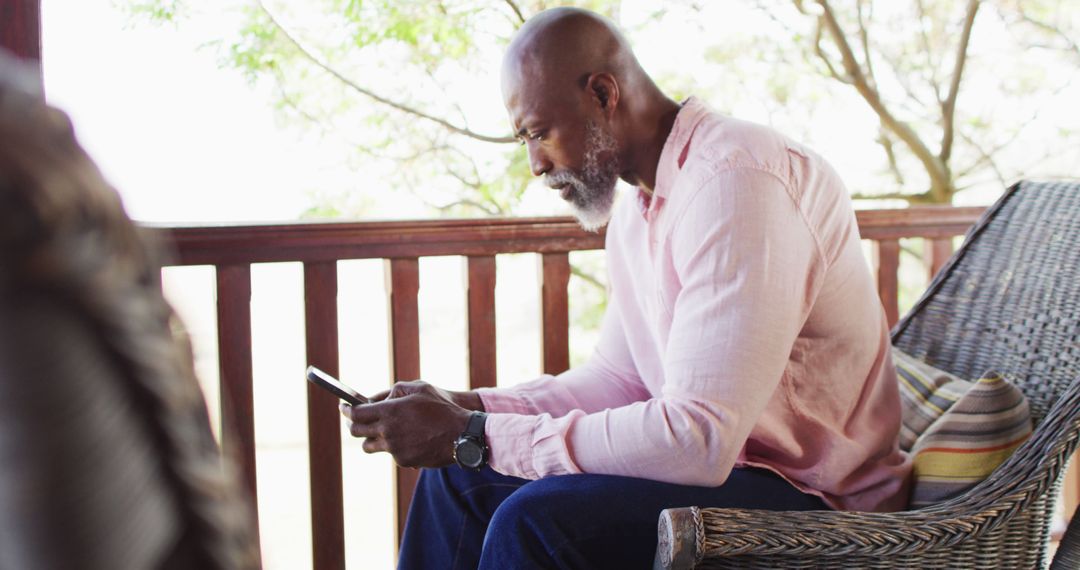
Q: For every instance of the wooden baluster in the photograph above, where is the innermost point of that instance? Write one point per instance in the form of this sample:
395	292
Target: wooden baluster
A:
403	285
480	285
20	30
888	265
938	252
554	312
324	420
234	365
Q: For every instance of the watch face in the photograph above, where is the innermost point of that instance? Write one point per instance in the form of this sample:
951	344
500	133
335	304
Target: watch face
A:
469	454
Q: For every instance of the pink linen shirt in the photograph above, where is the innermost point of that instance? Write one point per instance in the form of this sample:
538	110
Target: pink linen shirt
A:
742	329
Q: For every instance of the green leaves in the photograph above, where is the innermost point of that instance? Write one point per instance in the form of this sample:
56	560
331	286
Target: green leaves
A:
257	49
155	11
431	31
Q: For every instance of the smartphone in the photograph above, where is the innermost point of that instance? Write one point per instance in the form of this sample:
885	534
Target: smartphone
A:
334	386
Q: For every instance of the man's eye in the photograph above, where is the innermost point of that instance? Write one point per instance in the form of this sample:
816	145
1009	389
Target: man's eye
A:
531	137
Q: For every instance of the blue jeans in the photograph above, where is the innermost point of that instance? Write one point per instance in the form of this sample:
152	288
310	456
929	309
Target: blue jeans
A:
463	520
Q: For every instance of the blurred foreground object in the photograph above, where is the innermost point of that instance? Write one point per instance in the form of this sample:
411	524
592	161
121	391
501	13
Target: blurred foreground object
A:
107	459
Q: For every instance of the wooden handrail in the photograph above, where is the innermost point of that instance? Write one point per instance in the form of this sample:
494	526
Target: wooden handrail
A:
319	245
326	241
919	221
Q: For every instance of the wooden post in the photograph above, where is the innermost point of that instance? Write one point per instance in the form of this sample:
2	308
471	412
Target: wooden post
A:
324	420
938	252
888	265
20	29
403	286
234	365
480	285
20	33
554	312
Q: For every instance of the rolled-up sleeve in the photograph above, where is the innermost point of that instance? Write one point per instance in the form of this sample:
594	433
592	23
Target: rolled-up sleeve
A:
748	265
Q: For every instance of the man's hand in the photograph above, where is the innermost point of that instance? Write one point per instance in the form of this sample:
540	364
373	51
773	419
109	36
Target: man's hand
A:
414	421
468	400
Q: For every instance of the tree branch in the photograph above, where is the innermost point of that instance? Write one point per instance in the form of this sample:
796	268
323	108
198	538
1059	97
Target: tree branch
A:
939	177
769	13
864	37
470	160
372	151
474	184
1032	119
824	57
886	143
442	89
517	11
310	56
1069	42
926	50
325	128
1027	168
586	277
915	106
290	102
987	157
948	107
470	203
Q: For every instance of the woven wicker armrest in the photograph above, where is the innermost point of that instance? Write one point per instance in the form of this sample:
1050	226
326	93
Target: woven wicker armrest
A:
710	533
689	535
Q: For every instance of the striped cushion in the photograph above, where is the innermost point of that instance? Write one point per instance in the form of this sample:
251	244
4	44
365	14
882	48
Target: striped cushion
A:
967	428
925	394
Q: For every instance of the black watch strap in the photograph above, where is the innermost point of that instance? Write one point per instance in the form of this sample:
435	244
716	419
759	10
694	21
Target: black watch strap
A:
470	450
475	427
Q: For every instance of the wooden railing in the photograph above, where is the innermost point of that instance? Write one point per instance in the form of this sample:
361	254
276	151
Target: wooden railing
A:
232	250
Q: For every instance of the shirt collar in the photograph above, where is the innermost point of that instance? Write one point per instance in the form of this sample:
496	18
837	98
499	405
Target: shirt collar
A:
673	155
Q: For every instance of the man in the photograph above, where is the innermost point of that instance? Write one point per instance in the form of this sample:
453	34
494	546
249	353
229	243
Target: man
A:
743	361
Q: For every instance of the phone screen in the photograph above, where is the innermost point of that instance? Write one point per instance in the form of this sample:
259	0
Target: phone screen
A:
334	386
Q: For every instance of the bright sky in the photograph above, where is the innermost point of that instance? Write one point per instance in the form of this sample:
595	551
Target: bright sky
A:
185	141
181	139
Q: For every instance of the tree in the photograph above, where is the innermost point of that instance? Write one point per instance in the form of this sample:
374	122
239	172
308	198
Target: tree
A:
390	75
954	94
913	81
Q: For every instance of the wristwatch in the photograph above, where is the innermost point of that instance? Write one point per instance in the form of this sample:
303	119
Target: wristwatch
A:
470	451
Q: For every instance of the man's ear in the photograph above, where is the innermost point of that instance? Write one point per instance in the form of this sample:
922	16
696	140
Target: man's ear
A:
604	91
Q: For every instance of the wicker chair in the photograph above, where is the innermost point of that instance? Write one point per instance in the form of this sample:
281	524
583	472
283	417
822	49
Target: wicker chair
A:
107	459
1009	300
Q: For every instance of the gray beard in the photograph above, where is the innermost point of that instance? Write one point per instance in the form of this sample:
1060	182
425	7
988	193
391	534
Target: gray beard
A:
593	189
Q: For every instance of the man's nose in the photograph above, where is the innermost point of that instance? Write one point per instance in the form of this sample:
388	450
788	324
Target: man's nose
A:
538	162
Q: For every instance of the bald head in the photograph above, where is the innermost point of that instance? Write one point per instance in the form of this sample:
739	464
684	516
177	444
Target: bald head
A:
565	45
561	47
